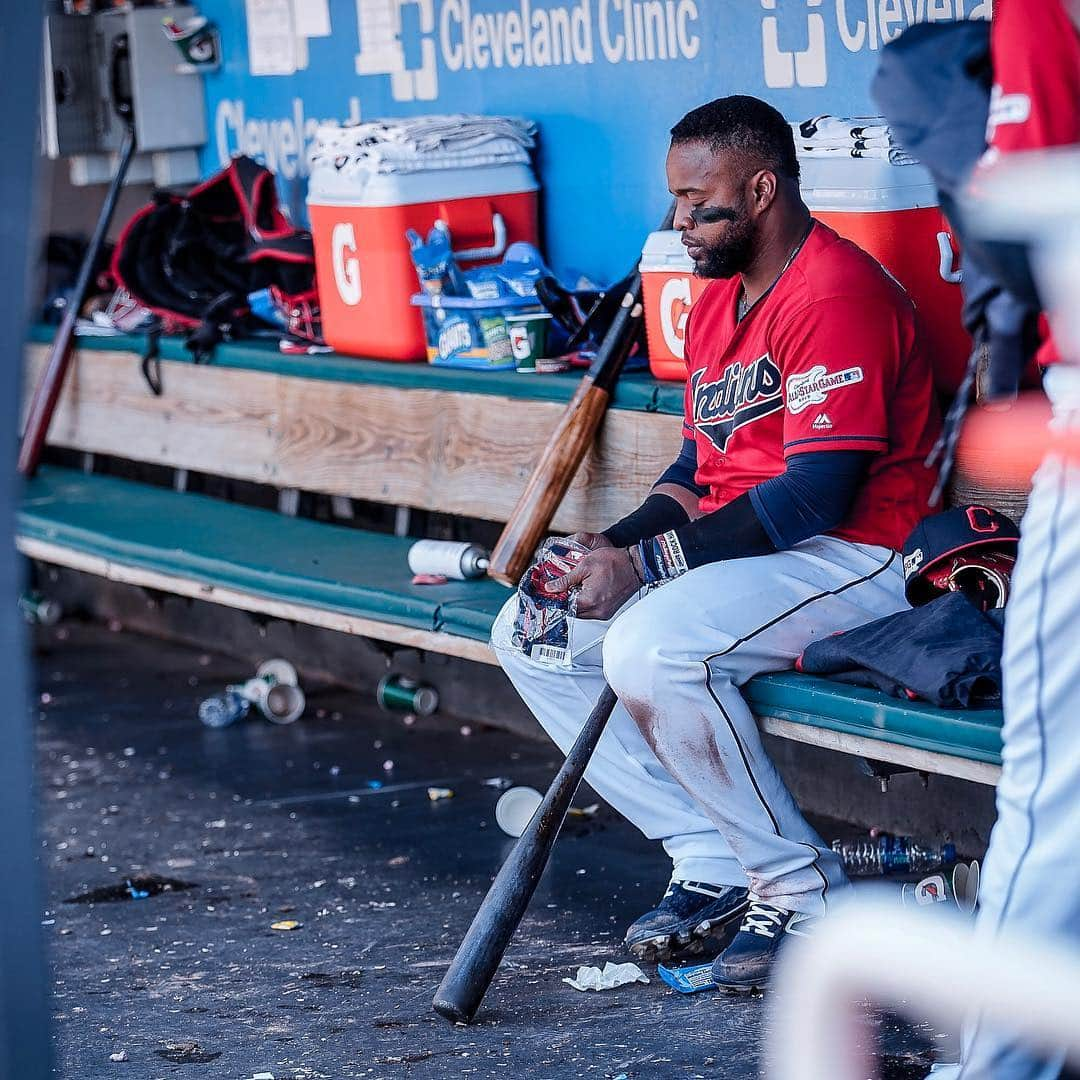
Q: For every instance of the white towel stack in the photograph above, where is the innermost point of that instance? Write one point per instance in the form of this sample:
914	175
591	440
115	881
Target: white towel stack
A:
851	136
419	143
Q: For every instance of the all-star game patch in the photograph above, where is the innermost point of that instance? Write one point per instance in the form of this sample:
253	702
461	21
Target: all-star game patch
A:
814	386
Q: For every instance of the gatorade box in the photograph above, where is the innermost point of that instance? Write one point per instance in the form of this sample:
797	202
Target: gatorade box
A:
365	275
888	210
468	333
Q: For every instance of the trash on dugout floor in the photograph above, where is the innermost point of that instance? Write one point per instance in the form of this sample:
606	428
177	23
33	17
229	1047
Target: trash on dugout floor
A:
612	976
689	979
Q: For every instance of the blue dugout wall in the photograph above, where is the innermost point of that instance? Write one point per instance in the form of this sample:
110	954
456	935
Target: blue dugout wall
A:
604	79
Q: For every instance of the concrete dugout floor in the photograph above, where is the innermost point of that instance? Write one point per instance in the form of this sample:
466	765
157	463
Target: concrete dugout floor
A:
268	823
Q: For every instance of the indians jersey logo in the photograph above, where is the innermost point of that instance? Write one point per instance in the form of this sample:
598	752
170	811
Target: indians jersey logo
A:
739	397
812	387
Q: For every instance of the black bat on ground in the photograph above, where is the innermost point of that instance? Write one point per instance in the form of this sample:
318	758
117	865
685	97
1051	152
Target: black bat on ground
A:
478	956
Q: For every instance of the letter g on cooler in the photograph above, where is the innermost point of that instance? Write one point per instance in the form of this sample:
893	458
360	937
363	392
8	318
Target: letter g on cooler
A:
346	266
675	300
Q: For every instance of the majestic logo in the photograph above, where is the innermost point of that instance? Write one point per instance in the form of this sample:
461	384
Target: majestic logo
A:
814	386
822	422
739	397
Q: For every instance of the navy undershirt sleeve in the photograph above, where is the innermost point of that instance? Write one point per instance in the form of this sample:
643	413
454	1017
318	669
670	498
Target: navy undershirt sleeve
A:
812	496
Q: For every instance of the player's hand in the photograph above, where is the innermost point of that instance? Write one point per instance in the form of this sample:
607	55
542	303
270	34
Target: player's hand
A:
589	540
606	580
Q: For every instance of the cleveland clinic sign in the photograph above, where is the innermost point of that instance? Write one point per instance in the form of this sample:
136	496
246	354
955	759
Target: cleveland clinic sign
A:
424	47
617	31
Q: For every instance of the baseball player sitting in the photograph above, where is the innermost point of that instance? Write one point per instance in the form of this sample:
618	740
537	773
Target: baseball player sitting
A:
809	414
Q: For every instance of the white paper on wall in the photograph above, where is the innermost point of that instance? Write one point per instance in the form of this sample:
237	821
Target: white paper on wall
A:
271	37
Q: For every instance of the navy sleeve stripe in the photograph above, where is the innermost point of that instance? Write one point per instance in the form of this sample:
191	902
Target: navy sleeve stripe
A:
838	438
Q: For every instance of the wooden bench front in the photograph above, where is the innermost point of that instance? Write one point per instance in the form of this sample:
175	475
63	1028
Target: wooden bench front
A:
458	453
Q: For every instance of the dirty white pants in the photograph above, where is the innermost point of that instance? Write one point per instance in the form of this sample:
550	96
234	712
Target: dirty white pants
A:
1031	878
681	757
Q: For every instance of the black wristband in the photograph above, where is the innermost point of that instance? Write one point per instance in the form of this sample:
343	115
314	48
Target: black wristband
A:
656	514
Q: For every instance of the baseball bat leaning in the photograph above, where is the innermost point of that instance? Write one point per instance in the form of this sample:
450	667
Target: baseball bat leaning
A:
47	391
478	956
570	441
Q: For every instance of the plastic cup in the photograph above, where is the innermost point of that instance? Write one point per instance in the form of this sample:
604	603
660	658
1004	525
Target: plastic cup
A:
528	337
515	809
959	887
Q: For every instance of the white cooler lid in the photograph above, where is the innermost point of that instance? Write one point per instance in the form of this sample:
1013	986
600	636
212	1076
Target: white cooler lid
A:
664	251
864	185
354	187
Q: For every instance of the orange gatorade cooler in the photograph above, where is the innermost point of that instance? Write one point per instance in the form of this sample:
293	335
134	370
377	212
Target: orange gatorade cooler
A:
668	288
888	210
362	263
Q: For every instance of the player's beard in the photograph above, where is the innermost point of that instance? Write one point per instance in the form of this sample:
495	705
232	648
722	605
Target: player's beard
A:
734	253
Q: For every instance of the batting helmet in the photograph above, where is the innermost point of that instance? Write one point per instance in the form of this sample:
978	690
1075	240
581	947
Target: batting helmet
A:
970	549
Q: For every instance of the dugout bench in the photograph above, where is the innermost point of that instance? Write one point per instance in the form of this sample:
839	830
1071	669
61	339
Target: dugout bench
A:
455	442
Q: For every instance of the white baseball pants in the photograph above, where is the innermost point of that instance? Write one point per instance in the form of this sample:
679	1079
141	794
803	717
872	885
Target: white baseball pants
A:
1031	879
682	758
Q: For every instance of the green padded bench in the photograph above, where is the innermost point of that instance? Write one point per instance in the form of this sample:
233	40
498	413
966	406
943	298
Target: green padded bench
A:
359	582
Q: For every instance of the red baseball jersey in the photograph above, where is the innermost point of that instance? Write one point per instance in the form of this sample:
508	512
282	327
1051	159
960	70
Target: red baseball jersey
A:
829	359
1035	100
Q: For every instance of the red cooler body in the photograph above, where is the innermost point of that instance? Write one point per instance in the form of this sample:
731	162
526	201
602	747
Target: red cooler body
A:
365	273
888	210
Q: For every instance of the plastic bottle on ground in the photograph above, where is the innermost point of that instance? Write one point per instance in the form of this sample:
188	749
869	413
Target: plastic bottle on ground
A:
221	710
881	853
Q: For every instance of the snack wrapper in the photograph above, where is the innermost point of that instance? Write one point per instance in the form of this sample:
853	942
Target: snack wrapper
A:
541	629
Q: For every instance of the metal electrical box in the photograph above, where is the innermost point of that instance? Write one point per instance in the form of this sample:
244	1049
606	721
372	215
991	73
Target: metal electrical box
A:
90	59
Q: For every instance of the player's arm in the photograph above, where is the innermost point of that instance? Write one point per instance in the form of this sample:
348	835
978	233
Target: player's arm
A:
812	496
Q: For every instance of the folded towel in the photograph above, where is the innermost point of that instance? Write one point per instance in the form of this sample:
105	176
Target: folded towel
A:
853	136
417	143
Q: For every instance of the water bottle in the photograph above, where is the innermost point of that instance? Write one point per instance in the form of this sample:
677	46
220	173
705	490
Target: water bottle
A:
221	710
451	559
882	853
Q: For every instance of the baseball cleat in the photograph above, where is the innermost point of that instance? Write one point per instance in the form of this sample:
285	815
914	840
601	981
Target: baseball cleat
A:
746	964
691	919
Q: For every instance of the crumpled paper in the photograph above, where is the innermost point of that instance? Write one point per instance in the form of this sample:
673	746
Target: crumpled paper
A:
613	975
